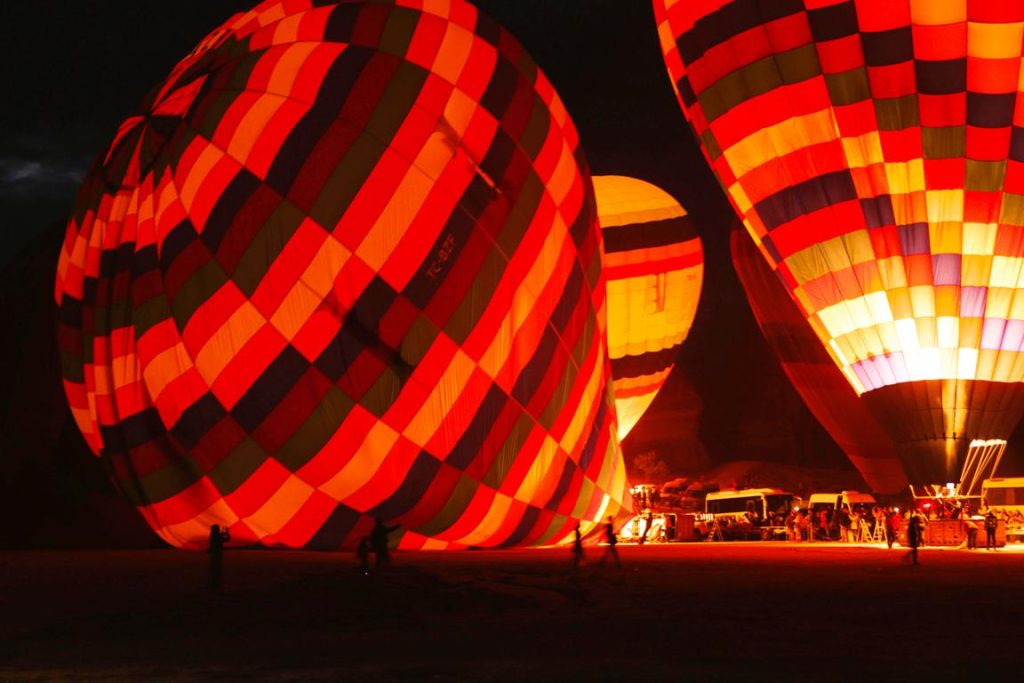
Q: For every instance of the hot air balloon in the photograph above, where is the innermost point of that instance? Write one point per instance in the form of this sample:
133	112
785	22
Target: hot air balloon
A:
344	264
810	369
871	150
654	266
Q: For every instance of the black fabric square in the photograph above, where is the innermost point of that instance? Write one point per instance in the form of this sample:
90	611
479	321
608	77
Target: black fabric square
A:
267	391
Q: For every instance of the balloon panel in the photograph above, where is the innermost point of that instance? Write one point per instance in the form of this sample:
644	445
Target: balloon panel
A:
345	263
872	160
654	265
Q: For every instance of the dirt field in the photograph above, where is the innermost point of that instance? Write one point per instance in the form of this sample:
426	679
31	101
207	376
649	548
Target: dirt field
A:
702	612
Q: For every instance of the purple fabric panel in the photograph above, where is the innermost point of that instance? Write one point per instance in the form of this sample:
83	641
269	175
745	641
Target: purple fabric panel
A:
914	239
992	333
946	269
972	302
1013	335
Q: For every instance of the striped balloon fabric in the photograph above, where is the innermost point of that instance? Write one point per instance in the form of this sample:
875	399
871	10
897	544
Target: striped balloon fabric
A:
344	264
654	266
875	151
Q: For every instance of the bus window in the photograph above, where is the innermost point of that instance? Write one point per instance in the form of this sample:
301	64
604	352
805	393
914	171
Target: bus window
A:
780	505
1010	495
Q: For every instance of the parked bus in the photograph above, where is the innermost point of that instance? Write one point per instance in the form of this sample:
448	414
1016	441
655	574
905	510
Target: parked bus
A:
1004	496
749	513
1003	492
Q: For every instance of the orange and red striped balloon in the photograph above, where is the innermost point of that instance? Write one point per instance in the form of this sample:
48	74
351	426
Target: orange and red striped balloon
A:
344	264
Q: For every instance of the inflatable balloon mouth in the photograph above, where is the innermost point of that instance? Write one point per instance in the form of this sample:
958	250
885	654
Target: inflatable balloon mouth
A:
870	151
948	415
343	265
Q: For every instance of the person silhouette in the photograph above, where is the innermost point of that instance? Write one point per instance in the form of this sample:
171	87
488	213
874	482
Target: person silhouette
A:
379	542
363	553
609	535
577	548
991	525
913	535
971	530
218	537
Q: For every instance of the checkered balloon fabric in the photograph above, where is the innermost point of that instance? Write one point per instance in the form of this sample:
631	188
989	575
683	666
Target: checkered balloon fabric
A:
874	150
344	264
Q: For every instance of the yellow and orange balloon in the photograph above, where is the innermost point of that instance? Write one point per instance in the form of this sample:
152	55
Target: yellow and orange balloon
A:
654	267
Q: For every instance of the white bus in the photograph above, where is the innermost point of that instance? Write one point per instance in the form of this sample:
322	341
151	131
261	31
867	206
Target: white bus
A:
1004	496
750	513
1003	492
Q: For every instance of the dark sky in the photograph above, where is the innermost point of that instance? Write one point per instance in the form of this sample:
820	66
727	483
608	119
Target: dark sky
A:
79	68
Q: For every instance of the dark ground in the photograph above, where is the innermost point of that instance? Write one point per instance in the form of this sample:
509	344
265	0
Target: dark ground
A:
720	612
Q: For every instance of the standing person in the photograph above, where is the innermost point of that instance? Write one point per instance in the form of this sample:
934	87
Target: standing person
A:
991	524
897	523
577	548
218	537
913	534
648	522
802	527
670	527
363	553
609	535
844	525
891	528
379	542
823	525
972	532
790	524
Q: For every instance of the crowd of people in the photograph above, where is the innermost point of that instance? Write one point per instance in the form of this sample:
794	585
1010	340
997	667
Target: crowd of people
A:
884	524
857	525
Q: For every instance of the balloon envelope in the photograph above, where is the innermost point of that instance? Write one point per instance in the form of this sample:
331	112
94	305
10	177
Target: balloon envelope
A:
654	266
344	264
870	149
816	378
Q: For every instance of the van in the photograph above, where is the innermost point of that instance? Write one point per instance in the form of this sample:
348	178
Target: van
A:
831	503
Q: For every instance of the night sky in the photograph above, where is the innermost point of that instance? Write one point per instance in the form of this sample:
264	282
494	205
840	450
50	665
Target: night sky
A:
81	69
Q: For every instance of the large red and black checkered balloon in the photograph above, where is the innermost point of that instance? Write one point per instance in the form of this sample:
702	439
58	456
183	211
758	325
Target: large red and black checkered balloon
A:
344	264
